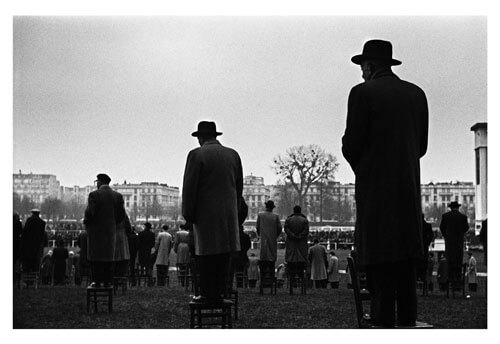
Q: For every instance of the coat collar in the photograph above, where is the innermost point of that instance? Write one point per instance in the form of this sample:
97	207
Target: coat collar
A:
104	186
382	73
211	142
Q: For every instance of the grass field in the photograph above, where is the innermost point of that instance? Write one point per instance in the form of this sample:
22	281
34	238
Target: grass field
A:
167	308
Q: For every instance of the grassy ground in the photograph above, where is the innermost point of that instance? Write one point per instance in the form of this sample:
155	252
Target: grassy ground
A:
167	308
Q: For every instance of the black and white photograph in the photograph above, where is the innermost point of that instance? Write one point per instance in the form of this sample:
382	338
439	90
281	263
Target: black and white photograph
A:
215	170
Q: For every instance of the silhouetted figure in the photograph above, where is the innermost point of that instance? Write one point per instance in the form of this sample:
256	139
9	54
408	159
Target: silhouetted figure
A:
145	242
296	248
453	226
385	137
32	242
60	256
429	271
105	209
212	189
268	227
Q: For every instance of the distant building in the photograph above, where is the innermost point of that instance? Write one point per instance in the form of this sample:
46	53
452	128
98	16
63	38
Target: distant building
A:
150	200
75	193
36	187
255	193
439	195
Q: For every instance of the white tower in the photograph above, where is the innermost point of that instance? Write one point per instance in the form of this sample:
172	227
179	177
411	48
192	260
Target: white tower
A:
481	147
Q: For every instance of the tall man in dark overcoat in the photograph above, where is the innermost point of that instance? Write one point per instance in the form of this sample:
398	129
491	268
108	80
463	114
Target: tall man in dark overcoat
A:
385	137
453	226
32	241
211	192
105	209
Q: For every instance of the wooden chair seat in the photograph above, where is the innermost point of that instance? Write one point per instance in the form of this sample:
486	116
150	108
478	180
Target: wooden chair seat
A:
99	295
211	314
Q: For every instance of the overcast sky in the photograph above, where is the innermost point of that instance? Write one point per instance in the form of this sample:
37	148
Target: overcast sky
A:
122	95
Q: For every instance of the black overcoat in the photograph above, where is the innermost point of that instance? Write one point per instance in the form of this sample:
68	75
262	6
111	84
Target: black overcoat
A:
104	211
32	239
453	227
385	136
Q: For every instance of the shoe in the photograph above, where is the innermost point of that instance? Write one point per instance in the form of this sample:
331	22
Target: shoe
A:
200	299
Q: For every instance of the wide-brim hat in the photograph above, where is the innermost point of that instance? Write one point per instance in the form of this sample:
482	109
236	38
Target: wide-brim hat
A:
270	204
376	49
104	178
454	204
206	128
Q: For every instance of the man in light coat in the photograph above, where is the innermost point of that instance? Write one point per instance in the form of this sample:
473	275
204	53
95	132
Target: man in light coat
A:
319	262
211	192
163	246
105	209
268	227
385	137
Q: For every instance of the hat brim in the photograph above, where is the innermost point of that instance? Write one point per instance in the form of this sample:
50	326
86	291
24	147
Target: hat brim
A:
358	59
201	133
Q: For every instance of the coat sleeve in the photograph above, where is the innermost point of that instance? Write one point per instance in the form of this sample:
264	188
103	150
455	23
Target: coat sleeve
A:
190	187
278	226
355	135
443	225
424	134
90	210
120	209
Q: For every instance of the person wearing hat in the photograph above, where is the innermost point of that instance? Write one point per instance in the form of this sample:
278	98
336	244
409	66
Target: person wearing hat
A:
453	226
33	239
385	137
105	210
296	247
268	227
212	187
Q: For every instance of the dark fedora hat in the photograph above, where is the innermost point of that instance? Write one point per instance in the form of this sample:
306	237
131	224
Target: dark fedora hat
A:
206	128
376	49
454	204
270	204
103	177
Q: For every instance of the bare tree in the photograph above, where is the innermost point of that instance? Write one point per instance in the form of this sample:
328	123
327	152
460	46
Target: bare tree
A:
303	166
